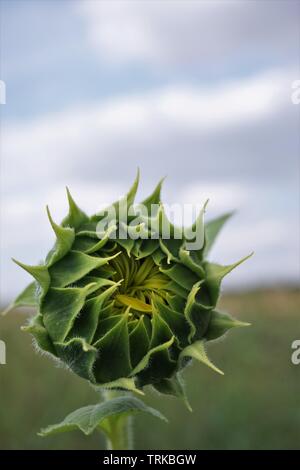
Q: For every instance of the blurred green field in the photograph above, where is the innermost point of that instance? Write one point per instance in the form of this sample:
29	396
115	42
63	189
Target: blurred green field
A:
256	405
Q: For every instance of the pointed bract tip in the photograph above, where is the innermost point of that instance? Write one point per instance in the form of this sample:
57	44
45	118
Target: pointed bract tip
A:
114	256
136	182
22	265
242	323
69	197
159	184
161	180
216	369
71	201
230	213
245	258
241	261
53	224
88	287
127	312
188	406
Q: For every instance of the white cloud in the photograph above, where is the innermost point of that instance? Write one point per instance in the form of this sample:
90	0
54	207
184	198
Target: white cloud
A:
90	138
222	196
232	104
187	32
213	142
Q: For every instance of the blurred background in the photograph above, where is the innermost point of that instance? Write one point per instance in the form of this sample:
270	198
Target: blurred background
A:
199	91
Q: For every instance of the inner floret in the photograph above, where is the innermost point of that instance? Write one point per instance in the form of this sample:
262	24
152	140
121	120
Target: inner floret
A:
140	280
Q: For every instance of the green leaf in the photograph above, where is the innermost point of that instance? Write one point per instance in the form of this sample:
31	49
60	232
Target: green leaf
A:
27	298
157	363
40	273
86	323
89	229
130	196
175	320
37	329
106	323
176	303
113	359
98	282
197	351
161	224
160	330
158	256
196	314
154	198
123	383
79	356
178	290
214	275
74	266
105	272
146	247
181	275
190	260
220	323
144	363
188	309
76	217
90	418
127	244
171	248
198	227
127	201
174	387
90	245
212	230
102	242
139	342
60	308
64	240
129	236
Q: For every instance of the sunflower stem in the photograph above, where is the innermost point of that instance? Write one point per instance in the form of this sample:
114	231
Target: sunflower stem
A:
119	434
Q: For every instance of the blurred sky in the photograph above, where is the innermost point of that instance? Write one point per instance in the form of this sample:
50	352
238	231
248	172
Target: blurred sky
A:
199	91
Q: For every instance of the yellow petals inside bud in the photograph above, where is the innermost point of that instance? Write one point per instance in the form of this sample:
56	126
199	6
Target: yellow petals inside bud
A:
134	303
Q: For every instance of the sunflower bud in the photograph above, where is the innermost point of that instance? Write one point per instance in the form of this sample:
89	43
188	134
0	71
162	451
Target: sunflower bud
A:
121	304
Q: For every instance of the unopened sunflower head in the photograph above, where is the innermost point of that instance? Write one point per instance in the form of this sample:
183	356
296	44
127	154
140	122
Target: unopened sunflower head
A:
121	304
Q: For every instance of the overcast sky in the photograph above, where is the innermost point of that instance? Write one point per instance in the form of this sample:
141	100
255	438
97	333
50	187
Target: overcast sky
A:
199	91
